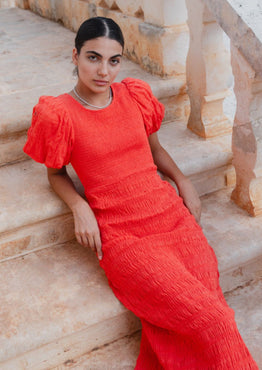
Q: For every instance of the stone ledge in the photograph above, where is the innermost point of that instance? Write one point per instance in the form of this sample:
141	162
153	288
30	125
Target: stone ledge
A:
246	38
56	304
21	206
119	355
235	237
247	302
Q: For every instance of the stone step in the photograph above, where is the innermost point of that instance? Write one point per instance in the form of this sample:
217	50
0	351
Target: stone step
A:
56	305
42	323
56	308
119	355
45	68
32	216
235	237
122	354
208	163
35	218
247	302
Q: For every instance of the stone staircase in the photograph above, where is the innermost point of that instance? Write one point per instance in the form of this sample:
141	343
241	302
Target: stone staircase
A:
57	311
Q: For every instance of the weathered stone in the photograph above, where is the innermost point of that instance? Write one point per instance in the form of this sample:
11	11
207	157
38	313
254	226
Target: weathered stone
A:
247	303
7	4
208	73
56	305
139	22
35	236
165	12
205	162
235	238
121	354
245	38
247	135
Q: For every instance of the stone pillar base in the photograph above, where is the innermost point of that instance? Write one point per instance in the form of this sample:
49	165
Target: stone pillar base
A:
252	203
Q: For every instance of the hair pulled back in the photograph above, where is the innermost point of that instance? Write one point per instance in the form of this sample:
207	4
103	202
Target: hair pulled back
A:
98	27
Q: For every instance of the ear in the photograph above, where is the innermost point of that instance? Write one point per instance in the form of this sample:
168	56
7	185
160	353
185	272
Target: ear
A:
75	57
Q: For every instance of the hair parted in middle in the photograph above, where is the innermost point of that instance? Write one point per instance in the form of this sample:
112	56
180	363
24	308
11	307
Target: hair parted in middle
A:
96	27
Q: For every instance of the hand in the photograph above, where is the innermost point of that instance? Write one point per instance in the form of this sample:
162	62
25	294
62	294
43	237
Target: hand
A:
86	228
191	198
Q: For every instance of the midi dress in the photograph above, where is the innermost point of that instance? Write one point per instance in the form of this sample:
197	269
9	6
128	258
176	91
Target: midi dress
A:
155	256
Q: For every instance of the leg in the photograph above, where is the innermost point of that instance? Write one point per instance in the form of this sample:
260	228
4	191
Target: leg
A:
153	283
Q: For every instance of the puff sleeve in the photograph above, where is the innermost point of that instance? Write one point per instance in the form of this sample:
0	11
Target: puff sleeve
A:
50	137
151	109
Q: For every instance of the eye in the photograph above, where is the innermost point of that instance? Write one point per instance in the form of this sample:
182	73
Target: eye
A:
114	61
92	58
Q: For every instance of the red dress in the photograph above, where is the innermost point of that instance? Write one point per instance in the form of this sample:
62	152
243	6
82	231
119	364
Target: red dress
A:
156	258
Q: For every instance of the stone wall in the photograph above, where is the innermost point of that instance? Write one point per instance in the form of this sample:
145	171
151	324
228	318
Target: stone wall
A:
7	3
155	31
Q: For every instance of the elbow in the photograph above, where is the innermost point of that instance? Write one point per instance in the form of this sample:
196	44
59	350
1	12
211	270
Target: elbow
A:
52	173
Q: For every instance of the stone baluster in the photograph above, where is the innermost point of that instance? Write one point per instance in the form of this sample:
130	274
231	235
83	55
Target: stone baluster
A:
208	72
247	134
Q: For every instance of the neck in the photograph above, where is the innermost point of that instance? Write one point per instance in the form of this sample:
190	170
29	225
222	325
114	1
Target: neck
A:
98	99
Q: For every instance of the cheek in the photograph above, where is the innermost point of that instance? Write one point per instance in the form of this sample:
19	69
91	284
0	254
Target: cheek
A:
86	67
115	71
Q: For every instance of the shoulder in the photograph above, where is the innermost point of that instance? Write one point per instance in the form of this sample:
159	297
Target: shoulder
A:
50	108
137	87
50	137
151	109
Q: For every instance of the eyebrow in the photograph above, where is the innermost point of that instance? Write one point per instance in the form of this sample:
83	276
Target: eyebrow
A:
101	56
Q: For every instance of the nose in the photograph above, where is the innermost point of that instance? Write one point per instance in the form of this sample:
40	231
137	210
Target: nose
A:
102	70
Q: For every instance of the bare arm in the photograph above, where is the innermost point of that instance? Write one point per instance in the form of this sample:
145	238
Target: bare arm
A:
86	227
167	166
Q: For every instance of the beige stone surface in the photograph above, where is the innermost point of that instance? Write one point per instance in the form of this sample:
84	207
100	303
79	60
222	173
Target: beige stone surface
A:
208	73
251	13
244	37
247	135
206	162
247	303
7	4
26	197
39	235
150	32
119	355
56	305
235	237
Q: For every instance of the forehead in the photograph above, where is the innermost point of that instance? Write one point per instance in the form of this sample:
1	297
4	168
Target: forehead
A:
103	46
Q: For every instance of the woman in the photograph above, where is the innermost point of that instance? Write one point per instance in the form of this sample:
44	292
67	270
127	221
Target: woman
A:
148	241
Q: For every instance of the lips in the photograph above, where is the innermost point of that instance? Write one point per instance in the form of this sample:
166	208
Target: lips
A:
100	82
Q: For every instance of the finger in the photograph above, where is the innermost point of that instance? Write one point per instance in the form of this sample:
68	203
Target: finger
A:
98	245
91	242
79	239
198	216
85	241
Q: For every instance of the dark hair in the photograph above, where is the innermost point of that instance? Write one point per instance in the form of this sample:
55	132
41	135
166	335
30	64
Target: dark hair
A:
98	27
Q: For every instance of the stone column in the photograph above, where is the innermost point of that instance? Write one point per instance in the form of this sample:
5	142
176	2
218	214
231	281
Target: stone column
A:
169	16
7	3
208	72
247	135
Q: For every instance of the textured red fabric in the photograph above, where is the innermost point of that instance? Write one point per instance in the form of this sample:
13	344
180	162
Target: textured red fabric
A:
155	256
